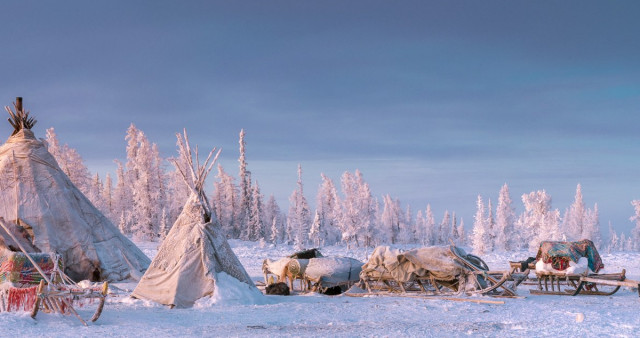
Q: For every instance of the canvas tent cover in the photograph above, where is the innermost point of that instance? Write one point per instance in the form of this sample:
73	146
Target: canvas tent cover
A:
559	254
47	212
186	266
195	255
404	266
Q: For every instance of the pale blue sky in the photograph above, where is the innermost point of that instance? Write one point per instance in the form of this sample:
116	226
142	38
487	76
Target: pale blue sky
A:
435	102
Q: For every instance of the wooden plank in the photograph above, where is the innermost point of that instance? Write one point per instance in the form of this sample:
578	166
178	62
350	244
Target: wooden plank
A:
628	282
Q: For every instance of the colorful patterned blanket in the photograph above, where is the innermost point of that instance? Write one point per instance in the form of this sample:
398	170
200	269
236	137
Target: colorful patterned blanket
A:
560	253
16	268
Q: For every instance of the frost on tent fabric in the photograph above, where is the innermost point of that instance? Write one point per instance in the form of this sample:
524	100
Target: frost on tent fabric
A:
195	259
46	212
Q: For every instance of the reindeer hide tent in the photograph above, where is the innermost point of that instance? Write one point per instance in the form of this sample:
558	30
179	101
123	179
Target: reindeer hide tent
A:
195	259
47	213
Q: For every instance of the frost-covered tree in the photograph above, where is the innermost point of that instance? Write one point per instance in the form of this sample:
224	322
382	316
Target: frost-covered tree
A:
573	220
490	228
430	226
147	182
407	226
244	207
225	201
591	226
505	219
613	240
539	222
390	221
315	233
635	232
299	218
107	197
358	210
479	235
70	162
444	229
420	228
122	200
454	236
328	208
461	233
95	194
256	225
275	220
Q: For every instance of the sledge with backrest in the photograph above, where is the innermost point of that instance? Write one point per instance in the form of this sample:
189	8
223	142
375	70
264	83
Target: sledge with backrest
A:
571	268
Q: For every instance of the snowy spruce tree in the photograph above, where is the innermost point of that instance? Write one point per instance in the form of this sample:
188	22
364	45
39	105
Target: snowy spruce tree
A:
299	218
275	221
148	184
71	163
225	201
430	227
490	226
538	222
244	207
389	221
256	226
634	239
444	229
358	210
329	211
573	220
505	218
479	235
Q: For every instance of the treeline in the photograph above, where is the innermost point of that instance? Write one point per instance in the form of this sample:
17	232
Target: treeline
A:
148	195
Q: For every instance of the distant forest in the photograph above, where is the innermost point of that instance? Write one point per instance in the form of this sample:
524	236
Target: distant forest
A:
144	200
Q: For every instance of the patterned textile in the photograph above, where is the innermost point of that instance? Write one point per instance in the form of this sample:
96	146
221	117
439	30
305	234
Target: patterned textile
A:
16	268
560	253
17	299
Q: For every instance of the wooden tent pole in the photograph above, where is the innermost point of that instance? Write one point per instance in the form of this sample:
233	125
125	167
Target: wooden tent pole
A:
18	104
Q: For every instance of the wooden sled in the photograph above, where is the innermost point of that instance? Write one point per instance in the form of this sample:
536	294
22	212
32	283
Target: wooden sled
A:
498	283
60	296
557	283
60	293
486	282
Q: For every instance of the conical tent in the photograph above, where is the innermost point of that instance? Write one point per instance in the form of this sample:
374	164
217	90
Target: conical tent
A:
195	253
47	213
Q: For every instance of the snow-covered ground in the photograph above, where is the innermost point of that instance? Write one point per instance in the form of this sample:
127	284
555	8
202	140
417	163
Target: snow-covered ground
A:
318	315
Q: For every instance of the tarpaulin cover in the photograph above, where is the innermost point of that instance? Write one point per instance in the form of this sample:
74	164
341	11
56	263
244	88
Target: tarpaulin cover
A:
404	266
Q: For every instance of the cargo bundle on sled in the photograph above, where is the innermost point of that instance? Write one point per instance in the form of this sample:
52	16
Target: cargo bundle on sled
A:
571	268
316	273
434	271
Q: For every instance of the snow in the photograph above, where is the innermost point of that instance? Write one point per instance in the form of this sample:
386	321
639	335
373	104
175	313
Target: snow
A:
230	291
340	316
580	267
